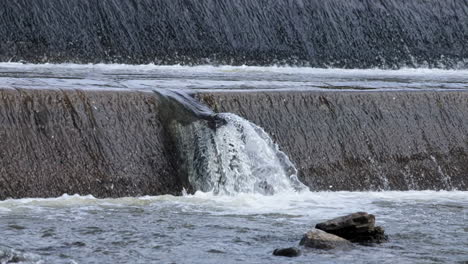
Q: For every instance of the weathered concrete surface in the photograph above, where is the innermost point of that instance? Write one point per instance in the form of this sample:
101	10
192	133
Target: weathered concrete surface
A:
113	143
103	143
363	140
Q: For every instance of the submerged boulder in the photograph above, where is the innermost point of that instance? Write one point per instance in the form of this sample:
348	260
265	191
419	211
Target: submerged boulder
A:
322	240
357	227
287	252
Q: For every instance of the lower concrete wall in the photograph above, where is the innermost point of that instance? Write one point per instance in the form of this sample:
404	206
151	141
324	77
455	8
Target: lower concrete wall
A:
107	144
363	140
113	143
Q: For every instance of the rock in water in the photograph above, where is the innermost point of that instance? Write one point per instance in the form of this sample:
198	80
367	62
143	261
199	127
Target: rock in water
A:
323	240
348	226
357	227
374	236
287	252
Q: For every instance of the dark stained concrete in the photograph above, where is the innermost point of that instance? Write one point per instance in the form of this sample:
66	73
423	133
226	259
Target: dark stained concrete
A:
107	144
113	143
361	140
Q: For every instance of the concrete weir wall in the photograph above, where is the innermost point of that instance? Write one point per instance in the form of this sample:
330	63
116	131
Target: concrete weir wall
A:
113	143
363	140
104	143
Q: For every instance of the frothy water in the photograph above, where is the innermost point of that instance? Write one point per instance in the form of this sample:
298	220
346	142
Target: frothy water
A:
236	157
424	227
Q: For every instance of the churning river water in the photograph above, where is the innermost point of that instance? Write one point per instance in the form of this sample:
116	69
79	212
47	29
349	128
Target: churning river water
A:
423	226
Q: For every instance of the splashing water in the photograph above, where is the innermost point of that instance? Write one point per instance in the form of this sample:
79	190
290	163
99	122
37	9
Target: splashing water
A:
237	157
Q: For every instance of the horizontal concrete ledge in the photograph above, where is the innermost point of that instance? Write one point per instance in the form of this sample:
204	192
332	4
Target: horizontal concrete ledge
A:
113	143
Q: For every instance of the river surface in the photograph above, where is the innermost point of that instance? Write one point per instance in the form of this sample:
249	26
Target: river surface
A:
423	226
105	76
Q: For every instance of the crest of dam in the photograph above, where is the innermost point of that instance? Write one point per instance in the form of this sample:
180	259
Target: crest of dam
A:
316	33
223	153
131	143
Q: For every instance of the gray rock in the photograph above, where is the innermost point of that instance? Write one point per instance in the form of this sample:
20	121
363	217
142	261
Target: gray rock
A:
323	240
357	227
287	252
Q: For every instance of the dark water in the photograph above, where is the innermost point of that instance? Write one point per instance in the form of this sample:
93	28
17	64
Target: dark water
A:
348	34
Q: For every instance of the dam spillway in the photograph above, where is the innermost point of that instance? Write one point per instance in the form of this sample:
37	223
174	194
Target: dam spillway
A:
113	143
343	34
168	131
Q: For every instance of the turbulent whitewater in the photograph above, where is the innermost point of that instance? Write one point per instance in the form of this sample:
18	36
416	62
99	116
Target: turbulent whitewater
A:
237	157
224	153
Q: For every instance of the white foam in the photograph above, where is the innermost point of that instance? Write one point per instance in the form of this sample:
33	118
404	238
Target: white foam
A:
236	157
304	204
227	68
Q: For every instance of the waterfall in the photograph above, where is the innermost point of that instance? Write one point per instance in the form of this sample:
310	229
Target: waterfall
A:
237	157
225	153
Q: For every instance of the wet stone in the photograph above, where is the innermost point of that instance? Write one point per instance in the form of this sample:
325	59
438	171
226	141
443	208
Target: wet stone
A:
287	252
322	240
357	227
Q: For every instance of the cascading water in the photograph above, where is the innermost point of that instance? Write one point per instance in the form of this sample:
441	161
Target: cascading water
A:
226	154
238	157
